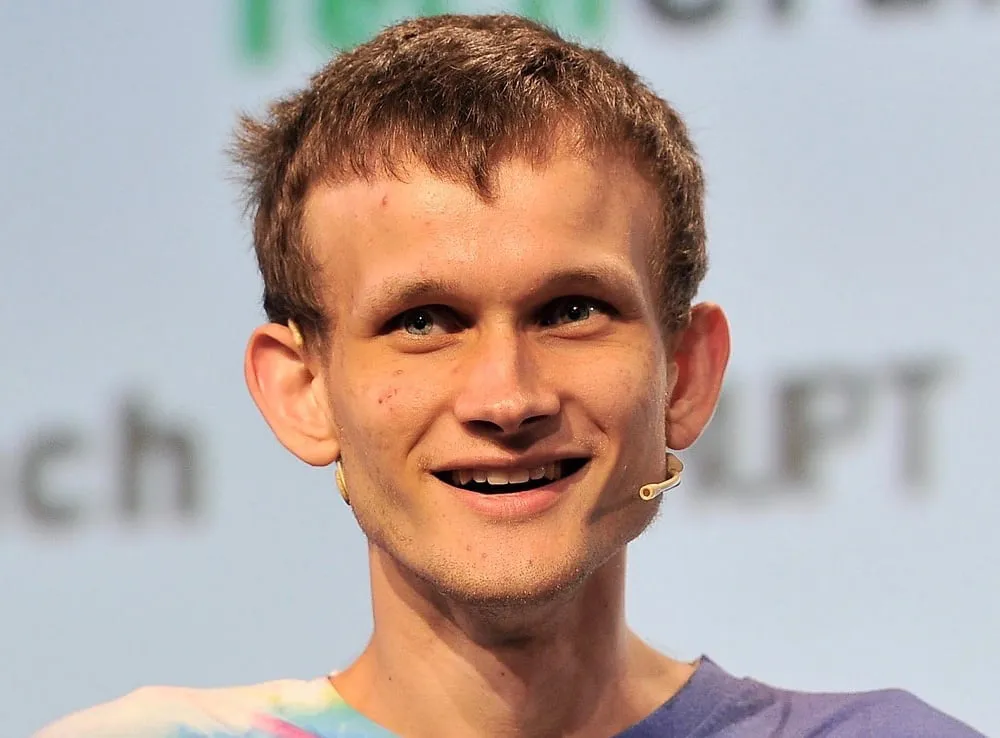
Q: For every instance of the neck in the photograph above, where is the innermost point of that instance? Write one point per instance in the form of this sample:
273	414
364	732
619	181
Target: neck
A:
567	666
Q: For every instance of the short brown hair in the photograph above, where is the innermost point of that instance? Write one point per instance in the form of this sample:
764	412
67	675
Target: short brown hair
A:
458	94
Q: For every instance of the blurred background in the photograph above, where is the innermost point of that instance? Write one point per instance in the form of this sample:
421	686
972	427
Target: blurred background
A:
838	527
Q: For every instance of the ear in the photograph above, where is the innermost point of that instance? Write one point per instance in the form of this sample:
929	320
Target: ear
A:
289	395
701	353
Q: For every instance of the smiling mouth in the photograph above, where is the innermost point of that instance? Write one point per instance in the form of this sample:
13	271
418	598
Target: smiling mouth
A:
510	481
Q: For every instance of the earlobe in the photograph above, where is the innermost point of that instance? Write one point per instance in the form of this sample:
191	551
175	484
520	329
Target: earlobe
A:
289	395
700	357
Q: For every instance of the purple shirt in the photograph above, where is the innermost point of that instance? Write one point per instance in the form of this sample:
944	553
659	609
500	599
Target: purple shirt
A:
714	704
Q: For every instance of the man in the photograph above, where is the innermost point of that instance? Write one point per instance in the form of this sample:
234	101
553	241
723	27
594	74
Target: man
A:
480	247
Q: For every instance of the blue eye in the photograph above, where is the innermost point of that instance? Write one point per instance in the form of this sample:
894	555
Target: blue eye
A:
572	310
419	322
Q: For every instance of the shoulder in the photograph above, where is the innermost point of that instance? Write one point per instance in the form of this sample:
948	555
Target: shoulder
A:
897	714
733	707
180	712
149	712
890	713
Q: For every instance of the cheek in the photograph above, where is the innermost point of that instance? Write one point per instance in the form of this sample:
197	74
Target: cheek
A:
625	389
381	410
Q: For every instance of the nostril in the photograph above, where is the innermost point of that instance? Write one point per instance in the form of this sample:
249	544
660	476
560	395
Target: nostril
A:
492	428
486	426
534	419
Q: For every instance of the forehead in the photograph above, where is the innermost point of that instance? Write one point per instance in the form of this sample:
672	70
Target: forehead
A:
569	212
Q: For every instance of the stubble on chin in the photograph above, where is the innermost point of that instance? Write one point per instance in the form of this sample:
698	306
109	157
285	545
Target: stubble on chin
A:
500	606
508	593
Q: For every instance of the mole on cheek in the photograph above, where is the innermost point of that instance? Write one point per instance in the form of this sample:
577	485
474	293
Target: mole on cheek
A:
387	395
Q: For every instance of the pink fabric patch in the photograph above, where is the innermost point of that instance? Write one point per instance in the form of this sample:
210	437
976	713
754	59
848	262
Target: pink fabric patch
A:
279	728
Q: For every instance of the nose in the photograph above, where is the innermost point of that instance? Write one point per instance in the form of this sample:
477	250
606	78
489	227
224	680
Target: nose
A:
503	390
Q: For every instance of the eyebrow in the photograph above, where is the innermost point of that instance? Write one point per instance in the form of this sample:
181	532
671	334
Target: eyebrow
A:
404	291
400	293
598	276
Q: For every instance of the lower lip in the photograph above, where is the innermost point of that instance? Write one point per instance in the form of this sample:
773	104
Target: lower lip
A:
516	505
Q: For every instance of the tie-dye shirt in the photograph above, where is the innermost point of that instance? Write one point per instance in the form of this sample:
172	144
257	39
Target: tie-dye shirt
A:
712	704
279	709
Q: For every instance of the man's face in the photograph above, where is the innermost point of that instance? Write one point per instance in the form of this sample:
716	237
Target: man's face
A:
496	378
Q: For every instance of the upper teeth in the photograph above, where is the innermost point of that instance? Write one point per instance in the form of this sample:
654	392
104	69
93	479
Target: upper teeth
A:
551	471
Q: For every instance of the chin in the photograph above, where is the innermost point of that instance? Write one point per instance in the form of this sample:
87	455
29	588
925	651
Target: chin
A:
508	572
505	609
522	580
510	588
517	582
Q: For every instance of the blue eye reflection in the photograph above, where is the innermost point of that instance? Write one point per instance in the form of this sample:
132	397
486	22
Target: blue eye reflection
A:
572	310
418	322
